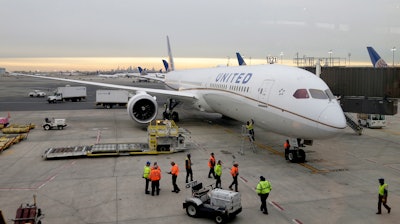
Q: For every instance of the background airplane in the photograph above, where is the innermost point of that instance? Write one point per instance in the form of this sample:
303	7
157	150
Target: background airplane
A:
282	99
376	60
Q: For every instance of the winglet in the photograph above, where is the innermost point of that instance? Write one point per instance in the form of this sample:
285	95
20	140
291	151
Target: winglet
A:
171	60
376	60
240	59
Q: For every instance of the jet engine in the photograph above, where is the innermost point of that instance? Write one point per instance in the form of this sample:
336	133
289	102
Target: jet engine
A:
142	108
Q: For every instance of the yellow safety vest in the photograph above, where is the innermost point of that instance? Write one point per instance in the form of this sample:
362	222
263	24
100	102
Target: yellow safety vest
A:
382	189
263	187
146	172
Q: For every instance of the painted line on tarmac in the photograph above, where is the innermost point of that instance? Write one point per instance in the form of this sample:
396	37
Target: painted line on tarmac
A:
44	182
297	221
277	206
313	169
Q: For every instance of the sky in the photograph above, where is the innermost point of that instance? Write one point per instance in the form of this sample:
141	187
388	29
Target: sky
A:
211	29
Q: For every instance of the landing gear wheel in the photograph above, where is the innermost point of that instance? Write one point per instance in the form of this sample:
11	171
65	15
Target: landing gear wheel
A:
175	116
220	218
292	156
191	210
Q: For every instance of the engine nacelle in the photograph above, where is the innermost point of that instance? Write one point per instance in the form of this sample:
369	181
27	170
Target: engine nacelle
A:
142	108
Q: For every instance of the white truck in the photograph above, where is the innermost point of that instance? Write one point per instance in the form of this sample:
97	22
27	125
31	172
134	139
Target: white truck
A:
110	98
371	120
68	93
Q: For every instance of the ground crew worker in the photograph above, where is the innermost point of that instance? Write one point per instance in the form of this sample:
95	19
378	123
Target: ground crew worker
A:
188	166
286	146
146	174
382	196
211	164
234	173
174	172
263	188
156	166
250	128
218	173
155	177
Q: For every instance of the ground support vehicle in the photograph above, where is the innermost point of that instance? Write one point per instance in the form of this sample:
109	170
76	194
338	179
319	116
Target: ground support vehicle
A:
37	93
29	214
371	120
53	123
110	98
68	93
219	204
162	139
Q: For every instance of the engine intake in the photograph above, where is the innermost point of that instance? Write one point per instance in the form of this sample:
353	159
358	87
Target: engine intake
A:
142	108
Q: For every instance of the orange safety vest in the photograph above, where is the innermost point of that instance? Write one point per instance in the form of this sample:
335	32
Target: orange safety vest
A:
155	174
286	145
211	162
234	171
175	170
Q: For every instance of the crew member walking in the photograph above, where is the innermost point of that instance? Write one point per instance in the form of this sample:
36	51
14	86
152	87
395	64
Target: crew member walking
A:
155	177
188	166
382	196
234	173
146	174
174	172
286	146
211	164
218	173
263	188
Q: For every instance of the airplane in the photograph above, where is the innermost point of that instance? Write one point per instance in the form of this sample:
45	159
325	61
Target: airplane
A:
286	100
376	60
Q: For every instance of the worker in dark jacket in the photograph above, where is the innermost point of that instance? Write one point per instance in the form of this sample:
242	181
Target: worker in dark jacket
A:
382	196
188	166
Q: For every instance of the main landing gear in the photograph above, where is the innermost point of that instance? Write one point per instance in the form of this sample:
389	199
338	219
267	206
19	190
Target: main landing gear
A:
168	113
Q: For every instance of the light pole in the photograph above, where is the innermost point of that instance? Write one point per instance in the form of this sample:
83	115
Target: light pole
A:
393	50
349	58
281	54
330	57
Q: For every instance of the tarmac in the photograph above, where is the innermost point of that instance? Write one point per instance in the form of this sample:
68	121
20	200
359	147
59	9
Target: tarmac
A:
337	184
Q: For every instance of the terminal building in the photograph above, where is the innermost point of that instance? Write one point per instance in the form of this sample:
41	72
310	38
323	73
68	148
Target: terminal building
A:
2	71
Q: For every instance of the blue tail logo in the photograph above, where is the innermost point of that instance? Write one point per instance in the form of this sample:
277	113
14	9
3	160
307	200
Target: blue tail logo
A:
376	60
240	59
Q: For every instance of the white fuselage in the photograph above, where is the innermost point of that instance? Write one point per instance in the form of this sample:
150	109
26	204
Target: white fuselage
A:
265	93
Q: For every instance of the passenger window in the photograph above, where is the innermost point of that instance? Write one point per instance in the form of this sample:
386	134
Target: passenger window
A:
318	94
301	94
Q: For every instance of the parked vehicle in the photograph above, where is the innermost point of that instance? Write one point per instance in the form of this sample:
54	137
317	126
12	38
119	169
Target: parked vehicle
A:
372	120
68	93
219	204
37	93
110	98
54	124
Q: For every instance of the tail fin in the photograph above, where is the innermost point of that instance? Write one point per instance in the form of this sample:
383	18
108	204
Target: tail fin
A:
141	71
240	59
166	65
376	60
171	60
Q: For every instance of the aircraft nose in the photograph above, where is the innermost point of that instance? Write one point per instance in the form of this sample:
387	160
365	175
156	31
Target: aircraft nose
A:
332	118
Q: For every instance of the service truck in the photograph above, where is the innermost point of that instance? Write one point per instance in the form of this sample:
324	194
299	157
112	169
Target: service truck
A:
110	98
68	93
372	120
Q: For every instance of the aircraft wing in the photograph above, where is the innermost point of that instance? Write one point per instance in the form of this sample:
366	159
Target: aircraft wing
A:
176	94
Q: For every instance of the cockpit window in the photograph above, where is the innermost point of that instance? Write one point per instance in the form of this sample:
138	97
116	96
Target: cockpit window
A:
301	94
318	94
330	94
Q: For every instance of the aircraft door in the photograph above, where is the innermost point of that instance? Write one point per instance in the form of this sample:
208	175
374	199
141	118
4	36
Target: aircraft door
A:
265	90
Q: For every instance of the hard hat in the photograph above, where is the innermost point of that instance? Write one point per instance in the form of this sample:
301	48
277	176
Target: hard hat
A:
148	162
